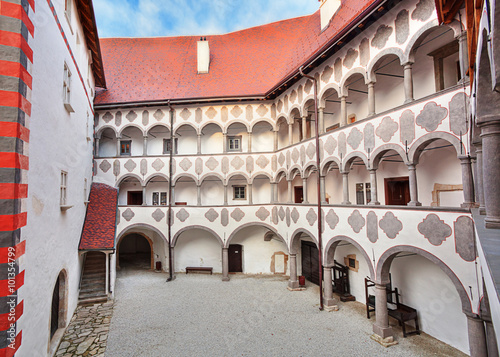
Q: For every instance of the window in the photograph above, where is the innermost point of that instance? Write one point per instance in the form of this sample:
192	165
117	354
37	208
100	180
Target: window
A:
84	190
167	146
125	147
64	181
239	192
67	89
360	199
68	8
159	198
234	143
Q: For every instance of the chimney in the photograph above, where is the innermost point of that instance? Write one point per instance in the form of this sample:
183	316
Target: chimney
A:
203	55
328	8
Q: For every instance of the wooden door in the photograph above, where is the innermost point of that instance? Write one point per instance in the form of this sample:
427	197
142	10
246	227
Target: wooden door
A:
298	194
235	262
134	198
54	315
397	191
310	262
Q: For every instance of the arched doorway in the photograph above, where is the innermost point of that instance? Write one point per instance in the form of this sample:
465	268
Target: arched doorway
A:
59	305
135	251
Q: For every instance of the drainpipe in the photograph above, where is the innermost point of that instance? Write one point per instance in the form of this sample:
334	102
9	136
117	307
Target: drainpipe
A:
169	218
318	162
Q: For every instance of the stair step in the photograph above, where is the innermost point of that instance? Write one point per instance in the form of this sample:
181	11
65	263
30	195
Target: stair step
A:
92	300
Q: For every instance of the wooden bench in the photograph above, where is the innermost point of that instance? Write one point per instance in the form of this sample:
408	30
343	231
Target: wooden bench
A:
199	269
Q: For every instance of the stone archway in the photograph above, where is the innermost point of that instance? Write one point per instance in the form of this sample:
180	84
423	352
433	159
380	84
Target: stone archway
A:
138	246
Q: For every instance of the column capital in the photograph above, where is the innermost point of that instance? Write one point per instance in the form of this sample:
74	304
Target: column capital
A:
407	64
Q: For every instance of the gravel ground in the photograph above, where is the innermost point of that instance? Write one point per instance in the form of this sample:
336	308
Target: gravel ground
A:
199	315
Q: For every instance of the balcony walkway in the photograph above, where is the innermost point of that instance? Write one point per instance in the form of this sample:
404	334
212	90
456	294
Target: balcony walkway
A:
199	315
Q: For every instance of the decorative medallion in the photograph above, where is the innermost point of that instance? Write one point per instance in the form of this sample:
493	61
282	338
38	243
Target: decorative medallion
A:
182	215
381	36
262	161
332	219
237	214
237	163
262	213
434	229
295	215
372	226
158	215
159	115
212	163
131	116
185	164
391	225
158	164
431	116
311	216
128	214
386	129
354	138
185	114
224	217
211	215
105	166
262	110
356	221
236	111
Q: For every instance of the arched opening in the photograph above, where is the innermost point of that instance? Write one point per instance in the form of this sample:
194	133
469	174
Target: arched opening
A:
311	189
306	249
261	252
187	140
297	126
195	247
159	141
309	112
107	143
282	126
157	191
389	88
297	186
211	139
436	61
428	285
59	305
135	251
357	98
185	191
333	184
238	192
359	181
131	142
212	191
130	192
392	182
237	138
282	188
331	113
262	137
261	187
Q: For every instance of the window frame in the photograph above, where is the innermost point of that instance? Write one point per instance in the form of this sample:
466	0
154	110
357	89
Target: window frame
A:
67	89
166	143
63	198
234	138
236	195
124	153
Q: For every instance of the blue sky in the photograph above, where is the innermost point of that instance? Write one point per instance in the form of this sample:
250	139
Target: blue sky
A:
144	18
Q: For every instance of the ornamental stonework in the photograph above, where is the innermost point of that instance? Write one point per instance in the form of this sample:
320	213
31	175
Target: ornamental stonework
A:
211	113
386	129
159	115
434	229
262	161
402	25
311	216
332	219
407	122
185	114
236	111
295	215
212	164
237	214
237	163
211	215
372	227
391	225
131	116
350	58
369	135
105	166
327	74
158	164
356	221
262	213
354	138
128	214
158	215
130	165
381	36
182	215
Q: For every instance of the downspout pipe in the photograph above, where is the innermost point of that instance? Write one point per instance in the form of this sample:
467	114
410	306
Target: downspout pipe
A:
318	179
169	214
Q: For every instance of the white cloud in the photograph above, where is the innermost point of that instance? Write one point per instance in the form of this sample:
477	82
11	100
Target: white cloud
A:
141	18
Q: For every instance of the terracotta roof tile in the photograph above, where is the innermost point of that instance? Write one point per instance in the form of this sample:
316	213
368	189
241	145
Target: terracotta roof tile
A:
150	69
99	226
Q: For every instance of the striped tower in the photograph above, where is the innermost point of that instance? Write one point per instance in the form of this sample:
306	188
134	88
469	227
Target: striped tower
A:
16	58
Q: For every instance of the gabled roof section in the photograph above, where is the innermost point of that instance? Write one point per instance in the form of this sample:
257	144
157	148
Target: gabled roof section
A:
100	221
246	63
86	14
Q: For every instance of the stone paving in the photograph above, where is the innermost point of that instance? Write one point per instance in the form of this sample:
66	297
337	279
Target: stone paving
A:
87	333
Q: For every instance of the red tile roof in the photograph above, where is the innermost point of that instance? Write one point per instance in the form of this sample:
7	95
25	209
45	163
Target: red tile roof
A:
99	227
244	63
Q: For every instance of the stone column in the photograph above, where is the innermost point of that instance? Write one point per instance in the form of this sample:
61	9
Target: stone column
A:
276	139
490	135
328	299
345	188
198	145
463	55
304	127
118	145
224	143
145	146
225	195
408	82
371	99
290	133
412	172
144	195
112	277
107	273
381	326
322	190
198	195
225	264
249	141
304	190
477	337
479	178
321	120
250	198
373	187
467	183
293	283
173	194
97	140
343	111
290	193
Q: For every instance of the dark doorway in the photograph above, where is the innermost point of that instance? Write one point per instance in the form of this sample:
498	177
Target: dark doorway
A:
235	253
310	262
134	198
134	251
299	194
54	315
397	191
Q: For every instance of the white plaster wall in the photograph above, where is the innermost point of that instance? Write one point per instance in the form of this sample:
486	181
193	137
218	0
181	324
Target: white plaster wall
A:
283	135
296	131
331	114
425	287
134	134
187	142
282	191
389	91
333	186
357	102
297	181
186	191
262	138
212	192
238	129
198	248
58	141
257	253
124	188
261	190
160	186
236	181
107	144
356	279
155	144
312	188
211	139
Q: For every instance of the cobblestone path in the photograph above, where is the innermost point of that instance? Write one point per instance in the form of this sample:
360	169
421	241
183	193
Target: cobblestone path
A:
87	333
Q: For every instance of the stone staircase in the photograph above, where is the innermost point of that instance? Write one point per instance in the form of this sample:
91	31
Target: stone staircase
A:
93	282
